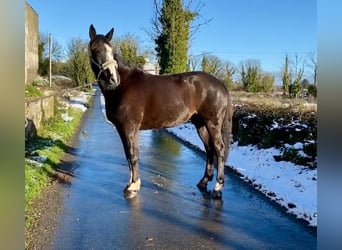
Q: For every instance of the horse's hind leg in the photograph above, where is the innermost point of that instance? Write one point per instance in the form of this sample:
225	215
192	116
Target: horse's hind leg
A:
216	138
209	168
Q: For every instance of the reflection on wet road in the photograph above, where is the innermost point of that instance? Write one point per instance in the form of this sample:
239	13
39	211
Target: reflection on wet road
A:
169	211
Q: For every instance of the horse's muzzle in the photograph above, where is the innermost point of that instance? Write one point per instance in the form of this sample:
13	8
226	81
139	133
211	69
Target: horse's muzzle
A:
111	86
113	82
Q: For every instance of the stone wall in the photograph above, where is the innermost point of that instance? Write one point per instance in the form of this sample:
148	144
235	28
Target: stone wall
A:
31	43
35	112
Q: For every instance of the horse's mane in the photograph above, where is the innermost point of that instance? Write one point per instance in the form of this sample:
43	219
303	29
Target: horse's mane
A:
121	60
124	63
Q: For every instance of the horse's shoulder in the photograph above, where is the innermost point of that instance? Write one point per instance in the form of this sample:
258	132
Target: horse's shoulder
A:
137	77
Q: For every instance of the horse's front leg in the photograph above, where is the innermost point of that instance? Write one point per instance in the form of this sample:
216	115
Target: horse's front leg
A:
130	141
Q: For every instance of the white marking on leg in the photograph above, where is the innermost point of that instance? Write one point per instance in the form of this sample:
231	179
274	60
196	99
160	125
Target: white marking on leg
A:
130	177
134	186
218	186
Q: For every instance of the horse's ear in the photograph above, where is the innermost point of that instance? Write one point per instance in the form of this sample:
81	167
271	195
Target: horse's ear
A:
109	35
92	32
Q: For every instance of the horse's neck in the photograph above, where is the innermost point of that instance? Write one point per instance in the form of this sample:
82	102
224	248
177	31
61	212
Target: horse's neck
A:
109	97
124	71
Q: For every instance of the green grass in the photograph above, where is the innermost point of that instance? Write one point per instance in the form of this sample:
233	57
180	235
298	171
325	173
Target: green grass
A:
51	144
32	91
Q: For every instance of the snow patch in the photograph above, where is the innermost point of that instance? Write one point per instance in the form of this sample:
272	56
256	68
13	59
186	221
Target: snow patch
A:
293	187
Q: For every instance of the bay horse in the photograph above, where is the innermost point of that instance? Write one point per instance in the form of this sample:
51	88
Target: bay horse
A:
136	100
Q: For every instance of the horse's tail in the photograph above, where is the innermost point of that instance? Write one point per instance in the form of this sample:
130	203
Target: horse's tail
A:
226	129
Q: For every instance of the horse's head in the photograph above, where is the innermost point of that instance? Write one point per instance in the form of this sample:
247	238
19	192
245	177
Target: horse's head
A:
102	59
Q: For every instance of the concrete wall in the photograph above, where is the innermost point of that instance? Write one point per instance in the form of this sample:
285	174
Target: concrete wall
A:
31	43
35	112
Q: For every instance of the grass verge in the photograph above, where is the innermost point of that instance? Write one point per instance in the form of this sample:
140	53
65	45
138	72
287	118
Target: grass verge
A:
43	153
32	91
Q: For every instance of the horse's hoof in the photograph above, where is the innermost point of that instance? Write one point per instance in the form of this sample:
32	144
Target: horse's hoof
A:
218	203
129	194
217	195
202	186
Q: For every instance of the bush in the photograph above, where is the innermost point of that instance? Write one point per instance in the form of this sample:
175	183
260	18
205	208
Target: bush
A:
267	127
312	90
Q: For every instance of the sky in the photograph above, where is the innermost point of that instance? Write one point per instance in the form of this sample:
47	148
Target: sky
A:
263	30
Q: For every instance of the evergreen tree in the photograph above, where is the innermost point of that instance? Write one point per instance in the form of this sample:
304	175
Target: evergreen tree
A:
173	40
228	72
292	85
266	83
251	75
312	90
286	77
79	64
43	62
296	87
128	47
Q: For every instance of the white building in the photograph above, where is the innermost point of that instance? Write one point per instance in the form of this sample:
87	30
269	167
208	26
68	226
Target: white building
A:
150	67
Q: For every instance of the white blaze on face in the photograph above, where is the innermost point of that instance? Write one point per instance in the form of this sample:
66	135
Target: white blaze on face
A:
110	63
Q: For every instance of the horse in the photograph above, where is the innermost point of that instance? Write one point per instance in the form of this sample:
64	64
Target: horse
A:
137	100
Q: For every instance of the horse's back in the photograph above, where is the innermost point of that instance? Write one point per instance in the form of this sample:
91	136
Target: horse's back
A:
185	82
195	89
211	91
169	100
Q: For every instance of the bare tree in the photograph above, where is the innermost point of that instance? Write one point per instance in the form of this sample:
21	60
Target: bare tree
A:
312	64
228	72
224	71
156	29
295	86
292	75
194	62
194	28
43	53
212	64
57	51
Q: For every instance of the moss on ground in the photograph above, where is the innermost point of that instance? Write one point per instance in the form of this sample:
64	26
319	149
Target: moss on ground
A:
32	91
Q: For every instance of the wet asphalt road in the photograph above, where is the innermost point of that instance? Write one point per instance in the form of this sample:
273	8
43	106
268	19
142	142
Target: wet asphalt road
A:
169	211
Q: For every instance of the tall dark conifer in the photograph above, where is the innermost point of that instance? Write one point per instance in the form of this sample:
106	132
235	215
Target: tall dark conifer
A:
173	41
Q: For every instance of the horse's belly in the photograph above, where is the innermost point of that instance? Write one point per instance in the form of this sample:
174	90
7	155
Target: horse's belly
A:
165	119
